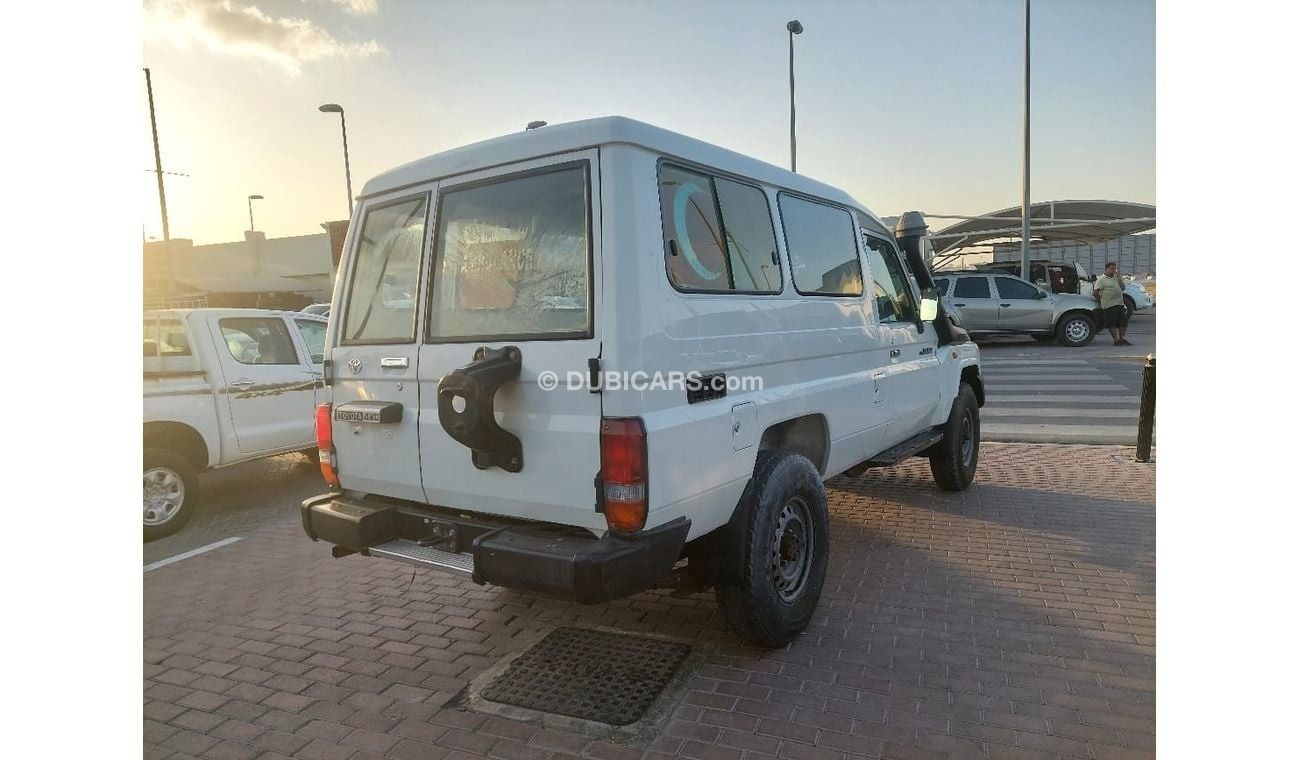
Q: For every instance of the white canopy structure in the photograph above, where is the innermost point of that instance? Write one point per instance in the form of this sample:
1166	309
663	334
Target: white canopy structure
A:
1084	221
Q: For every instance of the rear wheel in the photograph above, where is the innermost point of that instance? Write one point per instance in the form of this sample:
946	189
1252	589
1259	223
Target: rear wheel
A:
954	459
171	492
1075	330
1130	306
780	550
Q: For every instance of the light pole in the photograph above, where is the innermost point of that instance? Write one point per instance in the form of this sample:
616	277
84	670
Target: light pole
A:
347	165
251	198
1024	221
793	27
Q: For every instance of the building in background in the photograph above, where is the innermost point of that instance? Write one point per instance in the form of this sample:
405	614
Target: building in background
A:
261	272
1134	254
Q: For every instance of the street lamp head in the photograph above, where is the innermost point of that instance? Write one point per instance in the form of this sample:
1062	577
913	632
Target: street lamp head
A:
794	27
255	198
331	108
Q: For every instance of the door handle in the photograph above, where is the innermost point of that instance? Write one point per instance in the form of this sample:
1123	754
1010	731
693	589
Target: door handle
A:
1005	305
894	353
394	362
242	382
959	304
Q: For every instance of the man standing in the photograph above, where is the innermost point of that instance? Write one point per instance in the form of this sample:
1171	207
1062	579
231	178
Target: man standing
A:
1109	291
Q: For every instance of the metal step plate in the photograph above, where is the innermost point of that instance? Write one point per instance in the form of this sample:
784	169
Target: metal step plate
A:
609	678
425	556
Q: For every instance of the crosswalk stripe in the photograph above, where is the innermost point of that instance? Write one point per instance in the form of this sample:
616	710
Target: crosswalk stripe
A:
996	431
1128	414
1006	398
1062	387
988	376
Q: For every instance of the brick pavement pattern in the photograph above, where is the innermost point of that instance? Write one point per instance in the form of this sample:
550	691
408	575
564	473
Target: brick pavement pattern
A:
1016	620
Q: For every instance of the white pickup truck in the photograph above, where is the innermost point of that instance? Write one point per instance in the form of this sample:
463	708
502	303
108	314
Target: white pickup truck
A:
223	386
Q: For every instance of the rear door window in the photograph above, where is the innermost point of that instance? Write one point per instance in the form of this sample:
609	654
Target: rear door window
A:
313	334
971	287
385	274
513	259
1010	288
253	340
942	284
820	240
718	234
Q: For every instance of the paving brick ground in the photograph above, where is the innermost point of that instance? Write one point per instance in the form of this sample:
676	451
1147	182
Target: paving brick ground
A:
1016	620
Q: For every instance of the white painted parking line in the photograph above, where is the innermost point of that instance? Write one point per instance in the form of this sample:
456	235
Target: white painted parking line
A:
1126	414
191	553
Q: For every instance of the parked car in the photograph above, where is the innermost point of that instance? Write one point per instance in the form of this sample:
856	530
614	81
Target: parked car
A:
319	309
806	345
1071	278
221	387
1000	304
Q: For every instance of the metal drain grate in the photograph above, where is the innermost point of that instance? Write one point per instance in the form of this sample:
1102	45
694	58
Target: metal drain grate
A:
606	677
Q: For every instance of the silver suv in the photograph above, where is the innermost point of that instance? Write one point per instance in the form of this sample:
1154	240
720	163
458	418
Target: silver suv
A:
993	304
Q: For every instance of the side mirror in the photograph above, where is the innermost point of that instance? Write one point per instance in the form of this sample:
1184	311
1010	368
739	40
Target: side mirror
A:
1042	294
929	304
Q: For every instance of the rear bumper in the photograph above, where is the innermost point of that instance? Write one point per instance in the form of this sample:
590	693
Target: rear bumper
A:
532	556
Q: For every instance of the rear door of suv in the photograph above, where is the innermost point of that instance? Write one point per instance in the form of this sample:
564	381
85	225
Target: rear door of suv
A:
374	354
515	261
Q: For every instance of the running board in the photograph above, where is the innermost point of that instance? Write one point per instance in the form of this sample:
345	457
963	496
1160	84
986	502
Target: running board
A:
905	450
424	556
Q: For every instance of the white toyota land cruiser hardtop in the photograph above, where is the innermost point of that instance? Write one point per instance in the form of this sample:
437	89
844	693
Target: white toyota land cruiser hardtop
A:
597	357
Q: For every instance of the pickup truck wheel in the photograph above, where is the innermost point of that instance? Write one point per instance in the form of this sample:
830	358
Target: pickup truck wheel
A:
1130	306
782	550
1075	330
171	491
954	459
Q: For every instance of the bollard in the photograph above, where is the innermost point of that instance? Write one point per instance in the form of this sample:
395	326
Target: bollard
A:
1147	414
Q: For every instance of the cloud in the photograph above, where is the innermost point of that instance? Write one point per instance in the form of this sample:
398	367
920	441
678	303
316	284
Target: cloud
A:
232	28
358	7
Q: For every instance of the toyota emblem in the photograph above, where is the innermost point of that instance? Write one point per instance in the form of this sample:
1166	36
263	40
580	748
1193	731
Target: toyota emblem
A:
355	366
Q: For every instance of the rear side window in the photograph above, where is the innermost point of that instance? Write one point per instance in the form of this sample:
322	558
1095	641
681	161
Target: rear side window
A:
718	234
971	287
258	340
513	259
1016	289
165	337
313	334
823	256
385	274
888	282
942	284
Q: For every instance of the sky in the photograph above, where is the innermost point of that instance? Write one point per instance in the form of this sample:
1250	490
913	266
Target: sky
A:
904	104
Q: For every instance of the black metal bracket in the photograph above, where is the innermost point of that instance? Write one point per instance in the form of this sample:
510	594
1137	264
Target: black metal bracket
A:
475	424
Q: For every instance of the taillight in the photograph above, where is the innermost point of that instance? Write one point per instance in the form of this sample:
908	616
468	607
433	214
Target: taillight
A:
325	443
623	472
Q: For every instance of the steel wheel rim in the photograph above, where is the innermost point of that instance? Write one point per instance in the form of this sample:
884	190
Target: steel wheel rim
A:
790	557
966	439
1075	329
164	494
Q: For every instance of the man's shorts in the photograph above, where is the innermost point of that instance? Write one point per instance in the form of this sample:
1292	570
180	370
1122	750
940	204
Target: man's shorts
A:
1115	316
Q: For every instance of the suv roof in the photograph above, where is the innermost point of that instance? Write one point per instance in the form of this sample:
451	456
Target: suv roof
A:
590	133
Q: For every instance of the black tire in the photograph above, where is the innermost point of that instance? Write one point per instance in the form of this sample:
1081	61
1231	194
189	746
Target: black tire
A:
174	480
1076	329
1130	307
780	549
954	459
